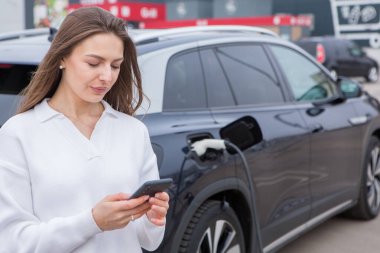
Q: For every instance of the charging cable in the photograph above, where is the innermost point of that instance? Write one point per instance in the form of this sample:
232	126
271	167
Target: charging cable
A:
200	148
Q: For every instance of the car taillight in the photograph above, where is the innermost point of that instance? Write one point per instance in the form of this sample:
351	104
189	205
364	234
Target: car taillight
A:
321	54
5	66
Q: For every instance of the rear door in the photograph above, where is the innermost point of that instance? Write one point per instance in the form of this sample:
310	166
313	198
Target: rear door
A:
361	64
347	64
335	141
241	81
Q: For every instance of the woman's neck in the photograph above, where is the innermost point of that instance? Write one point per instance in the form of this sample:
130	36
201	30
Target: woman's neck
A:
75	107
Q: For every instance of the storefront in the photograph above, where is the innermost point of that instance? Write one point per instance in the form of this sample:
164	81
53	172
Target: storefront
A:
133	12
178	13
290	27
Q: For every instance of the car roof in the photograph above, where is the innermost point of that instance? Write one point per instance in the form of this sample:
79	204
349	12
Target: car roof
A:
321	39
30	49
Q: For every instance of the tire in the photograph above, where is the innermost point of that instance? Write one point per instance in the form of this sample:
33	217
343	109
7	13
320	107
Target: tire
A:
213	228
368	205
372	75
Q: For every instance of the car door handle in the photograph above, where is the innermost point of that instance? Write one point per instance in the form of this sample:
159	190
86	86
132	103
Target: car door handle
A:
316	128
358	120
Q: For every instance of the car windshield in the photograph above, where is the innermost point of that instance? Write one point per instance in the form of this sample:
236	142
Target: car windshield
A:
355	50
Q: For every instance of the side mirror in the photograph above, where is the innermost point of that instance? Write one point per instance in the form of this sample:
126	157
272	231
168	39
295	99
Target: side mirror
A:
244	132
349	88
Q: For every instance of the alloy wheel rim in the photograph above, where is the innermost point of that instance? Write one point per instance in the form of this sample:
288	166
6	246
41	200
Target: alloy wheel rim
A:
220	237
373	76
373	180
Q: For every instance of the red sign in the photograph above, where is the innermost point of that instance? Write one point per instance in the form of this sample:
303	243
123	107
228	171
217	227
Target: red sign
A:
276	20
126	10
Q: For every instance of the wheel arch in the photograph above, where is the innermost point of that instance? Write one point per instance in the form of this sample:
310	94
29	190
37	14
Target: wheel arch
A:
366	140
236	193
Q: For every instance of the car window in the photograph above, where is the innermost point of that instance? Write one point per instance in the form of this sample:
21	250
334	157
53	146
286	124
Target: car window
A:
307	81
308	46
355	50
249	74
219	90
184	86
14	78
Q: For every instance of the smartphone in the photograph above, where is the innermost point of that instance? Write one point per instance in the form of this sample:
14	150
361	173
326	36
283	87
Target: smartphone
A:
152	187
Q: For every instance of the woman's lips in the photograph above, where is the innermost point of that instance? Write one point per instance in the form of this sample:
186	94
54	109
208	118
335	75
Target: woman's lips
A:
99	90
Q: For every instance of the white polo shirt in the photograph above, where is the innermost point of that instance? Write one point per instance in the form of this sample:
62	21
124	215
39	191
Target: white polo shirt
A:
51	176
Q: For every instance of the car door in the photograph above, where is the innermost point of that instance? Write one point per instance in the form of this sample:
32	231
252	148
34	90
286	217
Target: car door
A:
360	65
240	81
335	140
347	65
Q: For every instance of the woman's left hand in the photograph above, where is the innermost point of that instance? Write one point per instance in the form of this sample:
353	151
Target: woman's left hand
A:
159	208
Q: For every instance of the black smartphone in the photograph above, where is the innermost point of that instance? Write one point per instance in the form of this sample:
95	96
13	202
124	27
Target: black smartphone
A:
152	187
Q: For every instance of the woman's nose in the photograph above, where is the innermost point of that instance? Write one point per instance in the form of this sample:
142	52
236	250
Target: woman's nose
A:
106	74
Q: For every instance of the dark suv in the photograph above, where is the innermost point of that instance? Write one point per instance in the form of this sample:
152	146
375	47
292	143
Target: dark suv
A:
341	57
318	140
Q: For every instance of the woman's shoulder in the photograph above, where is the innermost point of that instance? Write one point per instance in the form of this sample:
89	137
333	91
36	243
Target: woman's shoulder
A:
19	122
125	119
131	121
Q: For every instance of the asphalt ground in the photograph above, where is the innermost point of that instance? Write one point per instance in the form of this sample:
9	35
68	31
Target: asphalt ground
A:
341	235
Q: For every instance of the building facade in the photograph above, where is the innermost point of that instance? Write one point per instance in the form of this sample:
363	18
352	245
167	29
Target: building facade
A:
141	13
12	15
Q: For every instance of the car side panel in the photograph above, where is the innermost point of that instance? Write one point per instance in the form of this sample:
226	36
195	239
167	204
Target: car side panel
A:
367	108
279	167
335	154
169	133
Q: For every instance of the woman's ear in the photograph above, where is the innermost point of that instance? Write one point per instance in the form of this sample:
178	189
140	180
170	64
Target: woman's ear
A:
62	63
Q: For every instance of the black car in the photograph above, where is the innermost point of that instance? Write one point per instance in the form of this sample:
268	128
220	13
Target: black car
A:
341	57
311	143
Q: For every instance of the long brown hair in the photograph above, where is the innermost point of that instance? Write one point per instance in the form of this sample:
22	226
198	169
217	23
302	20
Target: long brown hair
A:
77	26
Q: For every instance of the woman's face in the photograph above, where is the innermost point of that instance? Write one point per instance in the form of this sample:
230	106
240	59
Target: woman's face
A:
93	67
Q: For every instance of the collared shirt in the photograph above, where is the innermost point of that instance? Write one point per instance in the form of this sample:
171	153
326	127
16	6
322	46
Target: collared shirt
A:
51	176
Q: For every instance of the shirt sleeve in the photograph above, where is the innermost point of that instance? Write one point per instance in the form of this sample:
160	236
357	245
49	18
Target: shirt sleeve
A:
149	235
20	230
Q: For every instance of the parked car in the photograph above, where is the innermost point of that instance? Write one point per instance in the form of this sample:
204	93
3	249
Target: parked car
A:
317	138
342	57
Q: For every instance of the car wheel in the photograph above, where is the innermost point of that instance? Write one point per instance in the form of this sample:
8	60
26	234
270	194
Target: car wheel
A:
334	74
374	41
213	228
373	75
368	205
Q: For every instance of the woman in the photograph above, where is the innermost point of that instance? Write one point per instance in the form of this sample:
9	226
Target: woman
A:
69	158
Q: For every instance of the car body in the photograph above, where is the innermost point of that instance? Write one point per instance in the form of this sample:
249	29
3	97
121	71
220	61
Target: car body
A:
342	57
318	138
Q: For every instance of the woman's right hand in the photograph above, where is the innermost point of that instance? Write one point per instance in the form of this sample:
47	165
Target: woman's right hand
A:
116	211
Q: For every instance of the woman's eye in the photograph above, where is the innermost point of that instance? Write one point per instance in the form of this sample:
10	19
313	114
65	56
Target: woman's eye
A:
115	67
92	64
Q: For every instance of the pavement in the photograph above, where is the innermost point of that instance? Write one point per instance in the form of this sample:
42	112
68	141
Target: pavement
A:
341	235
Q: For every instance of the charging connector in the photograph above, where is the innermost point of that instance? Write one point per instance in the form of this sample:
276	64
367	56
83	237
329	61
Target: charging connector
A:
200	147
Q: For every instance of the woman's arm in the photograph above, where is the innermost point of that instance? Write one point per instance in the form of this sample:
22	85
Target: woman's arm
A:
150	235
20	230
